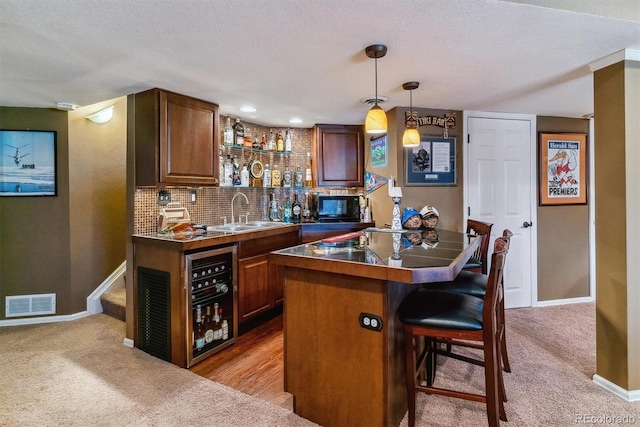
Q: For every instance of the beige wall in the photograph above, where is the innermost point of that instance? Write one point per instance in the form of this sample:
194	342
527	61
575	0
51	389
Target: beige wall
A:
563	234
66	244
617	156
98	201
447	199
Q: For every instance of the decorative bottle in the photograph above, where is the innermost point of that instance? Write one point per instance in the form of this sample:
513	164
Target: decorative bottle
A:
272	141
228	172
238	133
279	142
244	177
228	133
266	176
287	178
287	213
296	210
208	326
275	176
308	176
288	144
298	179
306	211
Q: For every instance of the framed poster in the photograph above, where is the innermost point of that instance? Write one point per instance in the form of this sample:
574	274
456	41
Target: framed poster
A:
28	163
563	168
379	151
433	162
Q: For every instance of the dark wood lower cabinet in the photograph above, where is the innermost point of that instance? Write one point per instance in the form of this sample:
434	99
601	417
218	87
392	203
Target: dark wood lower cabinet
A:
260	284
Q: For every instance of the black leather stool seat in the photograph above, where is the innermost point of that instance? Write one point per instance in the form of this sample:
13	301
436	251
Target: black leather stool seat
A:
441	309
473	263
466	282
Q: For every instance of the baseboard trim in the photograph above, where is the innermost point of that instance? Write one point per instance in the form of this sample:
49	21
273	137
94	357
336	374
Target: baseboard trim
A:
44	319
110	283
628	395
564	301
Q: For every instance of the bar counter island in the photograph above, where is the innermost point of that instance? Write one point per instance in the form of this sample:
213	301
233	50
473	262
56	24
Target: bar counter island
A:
343	341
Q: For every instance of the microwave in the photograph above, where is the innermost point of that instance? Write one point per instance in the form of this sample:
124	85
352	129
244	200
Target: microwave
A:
337	208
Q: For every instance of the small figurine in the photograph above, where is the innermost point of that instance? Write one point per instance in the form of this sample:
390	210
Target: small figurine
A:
430	217
411	219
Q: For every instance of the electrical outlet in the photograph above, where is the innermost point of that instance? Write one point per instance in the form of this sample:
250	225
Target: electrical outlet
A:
370	321
193	196
164	197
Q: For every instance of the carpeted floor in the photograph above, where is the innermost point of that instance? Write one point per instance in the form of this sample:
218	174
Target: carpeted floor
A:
80	374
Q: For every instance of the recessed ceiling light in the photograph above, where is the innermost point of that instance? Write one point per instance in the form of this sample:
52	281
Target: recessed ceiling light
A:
248	109
295	120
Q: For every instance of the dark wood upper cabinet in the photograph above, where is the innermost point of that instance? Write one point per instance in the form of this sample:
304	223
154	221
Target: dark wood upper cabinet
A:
176	139
340	155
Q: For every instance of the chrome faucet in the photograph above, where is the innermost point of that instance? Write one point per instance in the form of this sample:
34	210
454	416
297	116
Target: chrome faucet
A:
233	200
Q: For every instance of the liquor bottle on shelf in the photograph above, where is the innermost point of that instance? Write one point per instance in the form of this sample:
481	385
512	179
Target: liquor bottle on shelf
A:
287	212
296	210
198	335
272	142
208	326
244	177
298	179
287	178
279	143
275	177
238	133
308	176
248	138
228	133
263	142
287	142
217	327
266	176
306	210
228	172
236	172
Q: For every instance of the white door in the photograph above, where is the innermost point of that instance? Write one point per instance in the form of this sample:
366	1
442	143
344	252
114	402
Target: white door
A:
500	188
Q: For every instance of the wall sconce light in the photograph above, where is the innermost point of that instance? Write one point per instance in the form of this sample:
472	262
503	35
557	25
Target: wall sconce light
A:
102	116
411	136
376	120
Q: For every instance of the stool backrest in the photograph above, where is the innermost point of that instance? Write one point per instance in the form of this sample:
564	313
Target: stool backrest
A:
494	291
482	229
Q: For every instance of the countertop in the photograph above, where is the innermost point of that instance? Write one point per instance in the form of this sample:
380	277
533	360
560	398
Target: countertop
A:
406	256
211	238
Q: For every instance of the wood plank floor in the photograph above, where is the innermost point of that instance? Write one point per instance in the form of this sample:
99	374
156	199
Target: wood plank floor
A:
253	365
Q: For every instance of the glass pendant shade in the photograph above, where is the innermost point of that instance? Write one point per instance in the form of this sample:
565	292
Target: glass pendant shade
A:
376	120
410	138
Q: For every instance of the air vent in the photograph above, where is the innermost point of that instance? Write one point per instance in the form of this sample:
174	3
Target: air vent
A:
30	305
154	309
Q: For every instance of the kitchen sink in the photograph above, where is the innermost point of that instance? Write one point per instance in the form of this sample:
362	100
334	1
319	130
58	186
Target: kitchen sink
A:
243	228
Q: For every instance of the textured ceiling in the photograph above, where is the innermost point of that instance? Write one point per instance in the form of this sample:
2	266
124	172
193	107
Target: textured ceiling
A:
306	58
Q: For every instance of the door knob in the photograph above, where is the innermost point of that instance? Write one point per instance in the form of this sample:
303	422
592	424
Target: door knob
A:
527	224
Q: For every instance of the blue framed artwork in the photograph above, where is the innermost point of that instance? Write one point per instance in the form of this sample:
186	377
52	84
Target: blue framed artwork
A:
28	163
433	162
379	151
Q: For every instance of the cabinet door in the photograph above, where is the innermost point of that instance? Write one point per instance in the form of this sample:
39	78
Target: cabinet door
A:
340	154
188	140
255	294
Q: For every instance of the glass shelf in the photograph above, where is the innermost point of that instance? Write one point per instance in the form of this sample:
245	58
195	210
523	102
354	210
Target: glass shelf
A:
255	150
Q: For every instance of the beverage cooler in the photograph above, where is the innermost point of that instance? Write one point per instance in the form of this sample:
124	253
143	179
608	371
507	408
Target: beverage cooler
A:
211	302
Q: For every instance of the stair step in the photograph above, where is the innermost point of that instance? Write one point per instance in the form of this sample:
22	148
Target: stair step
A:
114	304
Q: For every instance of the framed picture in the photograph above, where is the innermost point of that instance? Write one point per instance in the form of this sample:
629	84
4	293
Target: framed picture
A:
379	151
433	162
563	168
28	163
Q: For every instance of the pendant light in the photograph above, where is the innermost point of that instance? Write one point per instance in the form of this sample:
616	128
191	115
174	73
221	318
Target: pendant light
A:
376	121
411	137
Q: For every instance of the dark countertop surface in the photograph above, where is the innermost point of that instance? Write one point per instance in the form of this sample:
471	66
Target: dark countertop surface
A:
407	256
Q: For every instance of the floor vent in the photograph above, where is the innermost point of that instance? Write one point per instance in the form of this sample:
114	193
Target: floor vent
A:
30	305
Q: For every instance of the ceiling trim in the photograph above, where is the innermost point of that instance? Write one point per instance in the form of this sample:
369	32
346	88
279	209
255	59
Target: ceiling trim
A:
614	58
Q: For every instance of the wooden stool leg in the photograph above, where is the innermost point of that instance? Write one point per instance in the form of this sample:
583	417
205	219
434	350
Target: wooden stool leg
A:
410	362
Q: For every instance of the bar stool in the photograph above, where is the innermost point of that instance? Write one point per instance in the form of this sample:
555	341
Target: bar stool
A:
440	316
478	261
469	283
